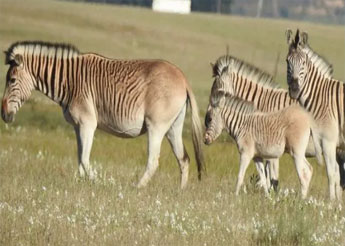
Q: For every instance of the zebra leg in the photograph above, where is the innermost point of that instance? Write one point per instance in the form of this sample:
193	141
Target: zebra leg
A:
342	174
154	137
337	175
304	172
261	170
329	152
341	164
174	136
268	174
84	134
274	171
244	162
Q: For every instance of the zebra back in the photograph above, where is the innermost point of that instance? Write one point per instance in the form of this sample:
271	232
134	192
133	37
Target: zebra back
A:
116	87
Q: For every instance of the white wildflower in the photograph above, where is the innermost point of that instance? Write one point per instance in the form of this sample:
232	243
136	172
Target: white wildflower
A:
120	195
31	220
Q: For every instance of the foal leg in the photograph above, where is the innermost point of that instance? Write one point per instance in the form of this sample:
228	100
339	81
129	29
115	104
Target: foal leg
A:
268	173
155	136
244	162
260	168
304	172
329	151
174	136
274	170
341	163
84	134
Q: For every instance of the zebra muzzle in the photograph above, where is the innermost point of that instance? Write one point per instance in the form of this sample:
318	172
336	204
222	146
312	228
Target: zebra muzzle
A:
7	117
294	89
207	139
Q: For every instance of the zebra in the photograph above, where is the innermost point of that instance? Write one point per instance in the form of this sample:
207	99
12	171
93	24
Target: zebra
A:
260	135
238	78
309	78
126	98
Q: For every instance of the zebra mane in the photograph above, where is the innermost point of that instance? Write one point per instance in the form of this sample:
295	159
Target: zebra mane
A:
319	62
239	105
244	69
40	48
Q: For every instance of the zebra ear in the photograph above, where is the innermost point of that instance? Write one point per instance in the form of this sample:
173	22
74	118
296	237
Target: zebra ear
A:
18	59
297	38
288	34
6	57
214	69
304	39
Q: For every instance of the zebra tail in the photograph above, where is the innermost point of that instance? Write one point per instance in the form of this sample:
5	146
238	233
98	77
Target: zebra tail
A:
197	133
318	150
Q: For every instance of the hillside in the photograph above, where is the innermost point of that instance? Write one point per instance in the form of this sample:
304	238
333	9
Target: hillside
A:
189	41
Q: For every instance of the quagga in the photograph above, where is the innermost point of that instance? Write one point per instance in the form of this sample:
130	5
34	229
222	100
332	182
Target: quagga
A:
260	135
238	78
124	97
310	81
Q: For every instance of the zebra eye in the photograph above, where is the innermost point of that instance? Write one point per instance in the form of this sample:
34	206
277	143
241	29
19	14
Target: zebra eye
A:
12	80
208	119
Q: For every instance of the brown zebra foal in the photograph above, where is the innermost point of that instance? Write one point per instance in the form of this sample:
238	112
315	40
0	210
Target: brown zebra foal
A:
260	135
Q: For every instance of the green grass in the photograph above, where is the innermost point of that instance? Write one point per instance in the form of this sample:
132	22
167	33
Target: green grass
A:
42	201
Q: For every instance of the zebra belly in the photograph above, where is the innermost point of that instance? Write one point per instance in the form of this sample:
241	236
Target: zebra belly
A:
124	130
269	151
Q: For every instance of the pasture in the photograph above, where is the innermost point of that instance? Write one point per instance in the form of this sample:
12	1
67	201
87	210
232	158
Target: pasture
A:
42	200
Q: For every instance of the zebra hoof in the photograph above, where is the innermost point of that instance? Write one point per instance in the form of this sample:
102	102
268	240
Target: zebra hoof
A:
274	184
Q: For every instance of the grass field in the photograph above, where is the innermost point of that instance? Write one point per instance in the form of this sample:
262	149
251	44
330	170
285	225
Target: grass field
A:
43	202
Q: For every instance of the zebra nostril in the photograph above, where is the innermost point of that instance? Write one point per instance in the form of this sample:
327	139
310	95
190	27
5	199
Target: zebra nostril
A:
207	138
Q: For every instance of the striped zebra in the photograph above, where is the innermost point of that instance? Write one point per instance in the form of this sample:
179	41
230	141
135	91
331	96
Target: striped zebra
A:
260	135
123	97
238	78
309	77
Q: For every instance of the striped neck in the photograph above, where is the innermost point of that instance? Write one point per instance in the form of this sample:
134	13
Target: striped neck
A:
53	75
235	114
49	65
315	84
323	66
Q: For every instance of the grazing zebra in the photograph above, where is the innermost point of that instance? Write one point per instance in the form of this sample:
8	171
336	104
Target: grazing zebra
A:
123	97
238	78
260	135
310	81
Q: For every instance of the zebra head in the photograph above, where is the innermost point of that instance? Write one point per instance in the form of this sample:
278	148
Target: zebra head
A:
18	86
296	62
222	72
213	120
